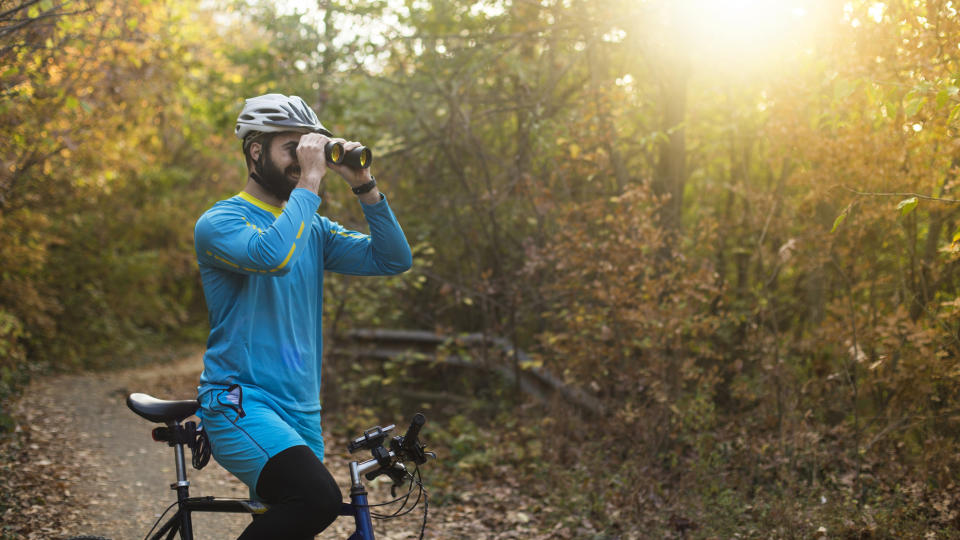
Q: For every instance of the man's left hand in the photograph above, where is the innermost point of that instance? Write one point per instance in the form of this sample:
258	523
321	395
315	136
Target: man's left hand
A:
356	177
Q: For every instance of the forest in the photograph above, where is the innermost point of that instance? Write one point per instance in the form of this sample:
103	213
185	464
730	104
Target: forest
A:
731	226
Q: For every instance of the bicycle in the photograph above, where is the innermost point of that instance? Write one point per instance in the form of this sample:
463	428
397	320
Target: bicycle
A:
177	434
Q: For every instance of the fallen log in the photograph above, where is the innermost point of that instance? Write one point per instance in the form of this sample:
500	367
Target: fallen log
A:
420	345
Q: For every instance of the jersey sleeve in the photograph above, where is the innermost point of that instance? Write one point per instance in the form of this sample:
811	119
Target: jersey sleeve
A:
383	252
226	239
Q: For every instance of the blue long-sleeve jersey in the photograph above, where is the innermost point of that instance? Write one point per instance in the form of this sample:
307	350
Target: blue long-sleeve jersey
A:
262	269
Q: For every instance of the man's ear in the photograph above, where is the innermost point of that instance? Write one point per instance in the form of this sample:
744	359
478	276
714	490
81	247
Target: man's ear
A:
255	149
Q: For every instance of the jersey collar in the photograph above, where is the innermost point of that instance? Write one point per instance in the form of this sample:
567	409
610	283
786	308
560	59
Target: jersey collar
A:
275	210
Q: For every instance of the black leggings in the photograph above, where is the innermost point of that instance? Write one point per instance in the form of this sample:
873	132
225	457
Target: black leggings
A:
303	497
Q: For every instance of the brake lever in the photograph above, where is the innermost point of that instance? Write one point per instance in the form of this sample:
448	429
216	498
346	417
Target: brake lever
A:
398	473
409	452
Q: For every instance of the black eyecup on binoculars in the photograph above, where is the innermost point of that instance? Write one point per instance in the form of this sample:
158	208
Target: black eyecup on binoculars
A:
358	158
333	151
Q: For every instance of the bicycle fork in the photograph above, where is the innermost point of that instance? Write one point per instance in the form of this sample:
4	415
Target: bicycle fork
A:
358	507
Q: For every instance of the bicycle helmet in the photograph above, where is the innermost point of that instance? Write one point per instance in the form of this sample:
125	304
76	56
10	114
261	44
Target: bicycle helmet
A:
272	113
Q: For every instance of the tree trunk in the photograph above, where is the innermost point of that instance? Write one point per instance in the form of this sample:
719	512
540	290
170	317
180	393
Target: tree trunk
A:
671	173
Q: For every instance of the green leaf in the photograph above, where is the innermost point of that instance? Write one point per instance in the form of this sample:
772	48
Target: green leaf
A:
843	89
913	106
942	98
840	218
954	113
907	205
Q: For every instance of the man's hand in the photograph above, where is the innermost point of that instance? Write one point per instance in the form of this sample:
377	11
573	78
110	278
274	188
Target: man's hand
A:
356	177
313	162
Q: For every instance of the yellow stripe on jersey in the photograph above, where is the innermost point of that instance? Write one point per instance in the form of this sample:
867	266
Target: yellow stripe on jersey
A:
221	259
275	210
258	229
285	261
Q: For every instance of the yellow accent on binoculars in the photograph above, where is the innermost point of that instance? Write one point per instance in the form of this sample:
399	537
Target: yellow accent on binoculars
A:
333	151
358	158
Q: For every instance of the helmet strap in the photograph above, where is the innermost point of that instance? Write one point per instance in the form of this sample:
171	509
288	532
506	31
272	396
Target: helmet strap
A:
264	140
257	173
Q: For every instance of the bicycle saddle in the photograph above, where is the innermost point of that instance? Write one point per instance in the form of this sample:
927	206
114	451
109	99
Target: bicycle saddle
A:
159	410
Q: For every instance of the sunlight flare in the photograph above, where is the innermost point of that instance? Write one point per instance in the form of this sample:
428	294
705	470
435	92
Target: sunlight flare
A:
743	30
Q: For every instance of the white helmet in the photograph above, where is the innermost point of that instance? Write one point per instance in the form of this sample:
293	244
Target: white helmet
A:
277	112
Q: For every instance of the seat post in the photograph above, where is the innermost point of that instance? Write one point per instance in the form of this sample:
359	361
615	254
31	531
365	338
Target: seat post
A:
181	468
182	486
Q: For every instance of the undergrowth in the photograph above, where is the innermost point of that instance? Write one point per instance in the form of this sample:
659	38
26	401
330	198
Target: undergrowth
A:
729	481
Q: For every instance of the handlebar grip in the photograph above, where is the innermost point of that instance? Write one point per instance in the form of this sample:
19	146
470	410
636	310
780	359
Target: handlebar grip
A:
410	439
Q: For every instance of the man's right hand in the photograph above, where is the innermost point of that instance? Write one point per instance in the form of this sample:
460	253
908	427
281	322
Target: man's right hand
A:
313	163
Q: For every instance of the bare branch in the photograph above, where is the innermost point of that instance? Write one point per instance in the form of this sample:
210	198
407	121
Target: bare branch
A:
8	13
896	194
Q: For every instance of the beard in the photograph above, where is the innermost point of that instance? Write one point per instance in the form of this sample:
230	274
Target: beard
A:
276	182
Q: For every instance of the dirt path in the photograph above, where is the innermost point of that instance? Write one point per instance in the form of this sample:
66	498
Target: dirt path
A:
115	478
130	473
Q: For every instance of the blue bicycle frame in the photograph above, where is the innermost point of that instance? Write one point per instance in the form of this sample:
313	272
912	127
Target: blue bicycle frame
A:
358	507
361	515
181	522
172	413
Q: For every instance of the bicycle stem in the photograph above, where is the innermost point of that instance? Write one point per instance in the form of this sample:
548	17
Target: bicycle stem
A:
356	469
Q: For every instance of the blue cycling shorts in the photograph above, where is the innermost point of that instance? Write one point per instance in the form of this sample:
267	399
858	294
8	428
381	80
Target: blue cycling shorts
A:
246	428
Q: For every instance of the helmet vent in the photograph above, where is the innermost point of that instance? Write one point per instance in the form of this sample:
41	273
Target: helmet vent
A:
275	113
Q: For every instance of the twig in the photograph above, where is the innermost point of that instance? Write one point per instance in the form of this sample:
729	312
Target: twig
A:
851	373
917	195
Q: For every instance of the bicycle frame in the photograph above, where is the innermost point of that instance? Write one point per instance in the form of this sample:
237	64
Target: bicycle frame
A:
181	522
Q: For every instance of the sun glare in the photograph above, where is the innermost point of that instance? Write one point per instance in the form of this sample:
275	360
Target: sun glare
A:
743	30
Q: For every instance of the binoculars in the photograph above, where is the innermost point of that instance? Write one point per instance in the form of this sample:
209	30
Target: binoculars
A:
358	158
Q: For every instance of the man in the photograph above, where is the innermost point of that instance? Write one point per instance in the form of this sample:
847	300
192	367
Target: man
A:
262	254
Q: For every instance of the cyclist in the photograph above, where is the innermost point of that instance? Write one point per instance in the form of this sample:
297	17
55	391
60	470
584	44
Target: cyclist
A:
262	254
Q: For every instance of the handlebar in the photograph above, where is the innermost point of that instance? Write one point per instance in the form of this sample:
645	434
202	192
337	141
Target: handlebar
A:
410	438
371	438
409	446
391	463
402	448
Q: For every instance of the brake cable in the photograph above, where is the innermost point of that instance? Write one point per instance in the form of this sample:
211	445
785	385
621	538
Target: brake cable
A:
415	478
